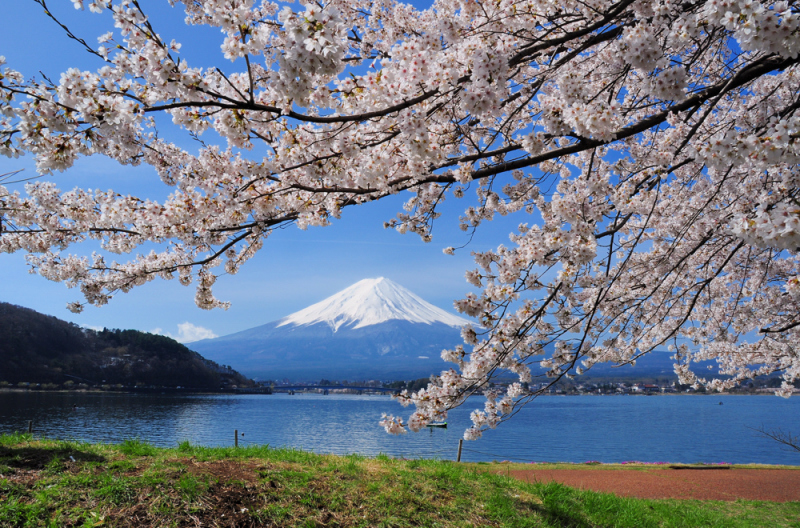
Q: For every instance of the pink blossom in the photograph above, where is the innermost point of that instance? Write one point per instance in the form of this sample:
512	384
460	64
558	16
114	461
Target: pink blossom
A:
658	142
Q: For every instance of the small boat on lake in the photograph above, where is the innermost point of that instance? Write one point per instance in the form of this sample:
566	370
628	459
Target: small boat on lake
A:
437	424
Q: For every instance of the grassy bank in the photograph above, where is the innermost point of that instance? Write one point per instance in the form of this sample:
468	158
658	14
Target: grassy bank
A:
61	484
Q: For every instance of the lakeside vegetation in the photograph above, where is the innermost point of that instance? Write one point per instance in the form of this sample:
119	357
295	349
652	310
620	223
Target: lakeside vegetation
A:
56	483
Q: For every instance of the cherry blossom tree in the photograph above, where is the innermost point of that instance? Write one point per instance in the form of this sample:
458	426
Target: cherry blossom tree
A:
652	143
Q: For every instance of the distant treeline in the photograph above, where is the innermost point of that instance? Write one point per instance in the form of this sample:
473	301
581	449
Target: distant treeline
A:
39	348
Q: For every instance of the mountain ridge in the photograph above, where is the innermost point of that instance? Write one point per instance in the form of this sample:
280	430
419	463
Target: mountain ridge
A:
39	348
374	329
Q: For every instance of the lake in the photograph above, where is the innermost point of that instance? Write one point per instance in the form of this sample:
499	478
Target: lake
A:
673	429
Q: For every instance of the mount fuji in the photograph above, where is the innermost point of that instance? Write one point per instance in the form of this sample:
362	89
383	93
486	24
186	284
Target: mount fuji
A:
375	329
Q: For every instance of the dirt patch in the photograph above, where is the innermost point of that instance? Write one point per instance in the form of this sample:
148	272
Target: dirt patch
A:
776	485
229	507
26	478
223	506
225	470
38	458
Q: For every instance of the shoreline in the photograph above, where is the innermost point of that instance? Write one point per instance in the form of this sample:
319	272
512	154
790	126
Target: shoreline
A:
164	390
312	390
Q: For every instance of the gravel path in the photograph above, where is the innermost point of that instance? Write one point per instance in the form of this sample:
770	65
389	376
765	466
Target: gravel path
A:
730	484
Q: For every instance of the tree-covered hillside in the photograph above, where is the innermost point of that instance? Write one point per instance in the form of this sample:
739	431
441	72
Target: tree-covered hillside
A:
39	348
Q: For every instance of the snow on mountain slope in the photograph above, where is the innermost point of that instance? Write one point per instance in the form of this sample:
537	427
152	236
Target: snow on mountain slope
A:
375	329
369	302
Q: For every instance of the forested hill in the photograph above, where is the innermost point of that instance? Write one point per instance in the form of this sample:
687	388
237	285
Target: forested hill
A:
39	348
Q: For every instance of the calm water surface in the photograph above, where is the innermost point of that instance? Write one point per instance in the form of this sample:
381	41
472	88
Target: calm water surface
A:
555	428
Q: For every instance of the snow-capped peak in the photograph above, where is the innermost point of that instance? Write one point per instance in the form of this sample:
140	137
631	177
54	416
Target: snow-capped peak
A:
369	302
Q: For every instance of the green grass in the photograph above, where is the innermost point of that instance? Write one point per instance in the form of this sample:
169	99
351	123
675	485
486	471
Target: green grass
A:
52	483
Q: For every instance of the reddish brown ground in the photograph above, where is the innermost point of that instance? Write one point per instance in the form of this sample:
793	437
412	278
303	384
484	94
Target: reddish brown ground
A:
778	485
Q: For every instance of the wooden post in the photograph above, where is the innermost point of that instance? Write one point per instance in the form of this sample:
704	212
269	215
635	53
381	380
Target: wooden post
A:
460	444
235	438
30	426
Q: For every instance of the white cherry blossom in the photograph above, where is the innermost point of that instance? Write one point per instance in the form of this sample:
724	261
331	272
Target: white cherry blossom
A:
652	147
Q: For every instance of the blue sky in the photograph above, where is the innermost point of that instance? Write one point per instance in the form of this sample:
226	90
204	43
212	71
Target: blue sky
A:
294	269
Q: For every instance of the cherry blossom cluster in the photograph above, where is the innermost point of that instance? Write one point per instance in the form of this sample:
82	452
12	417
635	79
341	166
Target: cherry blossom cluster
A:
648	147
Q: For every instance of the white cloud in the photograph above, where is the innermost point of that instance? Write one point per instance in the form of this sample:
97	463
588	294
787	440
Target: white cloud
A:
187	333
